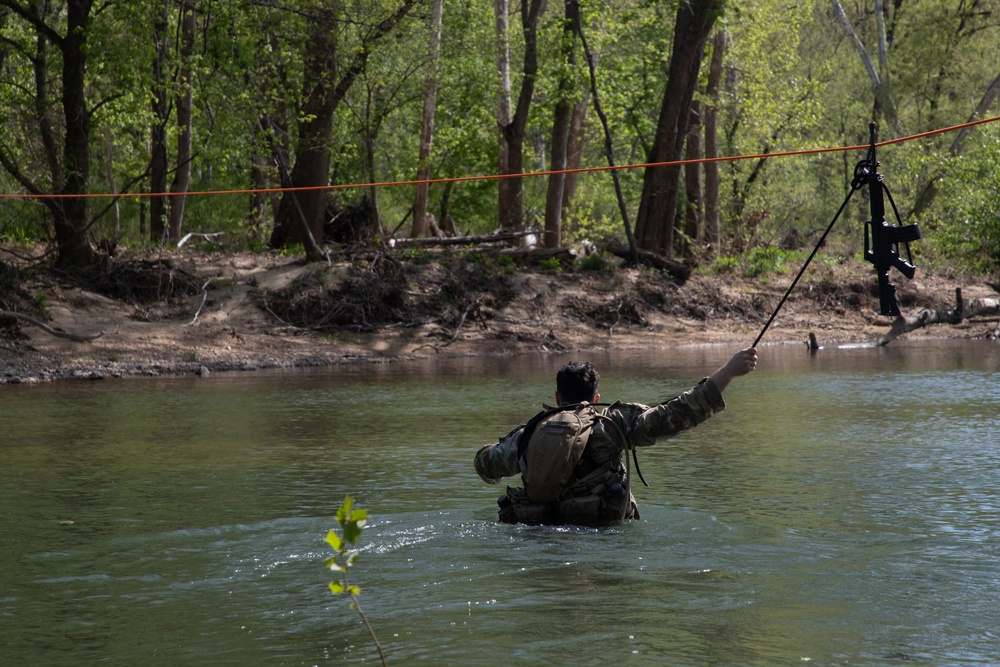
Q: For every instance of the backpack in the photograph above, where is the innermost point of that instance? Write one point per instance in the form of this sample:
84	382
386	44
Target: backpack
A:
550	448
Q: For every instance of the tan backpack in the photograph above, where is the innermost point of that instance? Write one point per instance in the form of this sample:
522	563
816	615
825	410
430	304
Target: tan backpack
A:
551	448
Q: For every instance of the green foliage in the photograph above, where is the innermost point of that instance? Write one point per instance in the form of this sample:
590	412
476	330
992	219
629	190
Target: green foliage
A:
763	260
595	262
41	302
550	264
503	264
791	81
967	230
726	264
292	250
352	522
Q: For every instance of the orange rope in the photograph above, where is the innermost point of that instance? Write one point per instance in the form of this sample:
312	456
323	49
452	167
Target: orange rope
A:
493	177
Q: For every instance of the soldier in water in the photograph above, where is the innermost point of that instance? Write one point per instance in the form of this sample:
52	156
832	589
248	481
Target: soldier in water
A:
573	458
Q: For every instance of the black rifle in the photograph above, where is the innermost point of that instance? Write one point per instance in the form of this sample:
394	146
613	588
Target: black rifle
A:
882	239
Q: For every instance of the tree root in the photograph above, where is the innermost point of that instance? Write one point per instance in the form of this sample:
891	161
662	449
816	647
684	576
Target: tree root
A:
58	333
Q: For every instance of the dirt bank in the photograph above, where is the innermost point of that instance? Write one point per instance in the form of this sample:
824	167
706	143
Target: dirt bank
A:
252	311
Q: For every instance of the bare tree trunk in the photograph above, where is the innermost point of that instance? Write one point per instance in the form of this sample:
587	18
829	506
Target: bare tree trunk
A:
258	200
185	116
658	205
371	132
69	168
712	237
880	81
71	228
427	126
574	150
512	189
575	15
312	157
504	108
158	131
112	188
692	183
561	120
300	216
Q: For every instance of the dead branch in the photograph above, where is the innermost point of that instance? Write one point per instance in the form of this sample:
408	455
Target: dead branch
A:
673	267
204	299
58	333
566	256
206	237
463	240
458	329
962	311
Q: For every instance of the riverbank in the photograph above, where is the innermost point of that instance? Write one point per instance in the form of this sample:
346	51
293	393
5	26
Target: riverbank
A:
231	320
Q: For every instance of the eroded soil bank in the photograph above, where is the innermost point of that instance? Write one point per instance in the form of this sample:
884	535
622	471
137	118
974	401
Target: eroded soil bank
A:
200	313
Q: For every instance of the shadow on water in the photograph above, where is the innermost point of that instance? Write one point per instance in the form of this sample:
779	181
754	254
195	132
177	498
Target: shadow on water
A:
843	510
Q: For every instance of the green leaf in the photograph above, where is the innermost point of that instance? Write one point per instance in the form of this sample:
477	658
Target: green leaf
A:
336	587
353	590
334	541
352	532
344	512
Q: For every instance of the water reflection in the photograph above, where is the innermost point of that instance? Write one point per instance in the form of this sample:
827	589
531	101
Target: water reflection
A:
844	509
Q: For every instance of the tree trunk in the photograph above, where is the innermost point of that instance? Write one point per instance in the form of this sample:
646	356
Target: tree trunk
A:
185	115
109	153
372	123
300	214
657	206
712	237
574	151
74	247
575	15
505	113
427	125
312	157
158	131
561	120
692	184
512	189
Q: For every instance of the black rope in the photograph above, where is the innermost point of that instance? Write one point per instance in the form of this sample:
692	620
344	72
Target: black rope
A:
856	185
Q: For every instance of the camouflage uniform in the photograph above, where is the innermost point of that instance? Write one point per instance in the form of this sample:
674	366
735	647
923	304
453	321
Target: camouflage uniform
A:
640	424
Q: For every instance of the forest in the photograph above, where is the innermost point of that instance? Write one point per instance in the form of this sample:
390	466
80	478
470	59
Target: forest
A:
300	124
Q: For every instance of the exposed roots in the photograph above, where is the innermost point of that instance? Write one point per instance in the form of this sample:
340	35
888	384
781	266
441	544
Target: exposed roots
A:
368	296
139	281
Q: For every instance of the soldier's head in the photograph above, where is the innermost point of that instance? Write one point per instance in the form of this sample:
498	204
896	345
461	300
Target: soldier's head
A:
577	382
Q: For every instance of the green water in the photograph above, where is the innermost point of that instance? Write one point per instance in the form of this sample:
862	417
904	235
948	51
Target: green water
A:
845	510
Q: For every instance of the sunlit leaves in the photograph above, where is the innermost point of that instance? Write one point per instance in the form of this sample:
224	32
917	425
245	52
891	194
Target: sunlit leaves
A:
352	522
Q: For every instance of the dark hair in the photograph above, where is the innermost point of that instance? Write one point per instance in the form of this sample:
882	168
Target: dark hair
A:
577	381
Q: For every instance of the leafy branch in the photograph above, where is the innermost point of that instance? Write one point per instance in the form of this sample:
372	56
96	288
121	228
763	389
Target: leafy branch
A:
352	522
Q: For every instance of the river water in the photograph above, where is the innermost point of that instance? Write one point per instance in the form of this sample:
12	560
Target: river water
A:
844	510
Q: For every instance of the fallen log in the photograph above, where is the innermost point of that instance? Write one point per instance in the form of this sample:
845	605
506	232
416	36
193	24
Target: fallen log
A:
566	256
58	333
678	270
985	307
462	240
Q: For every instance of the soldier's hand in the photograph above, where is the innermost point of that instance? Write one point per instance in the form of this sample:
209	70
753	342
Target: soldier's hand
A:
742	363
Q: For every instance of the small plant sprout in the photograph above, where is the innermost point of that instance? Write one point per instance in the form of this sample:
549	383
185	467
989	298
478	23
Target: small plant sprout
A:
352	521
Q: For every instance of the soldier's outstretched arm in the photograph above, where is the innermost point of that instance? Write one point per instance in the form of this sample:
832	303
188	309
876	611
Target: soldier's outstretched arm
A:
742	363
